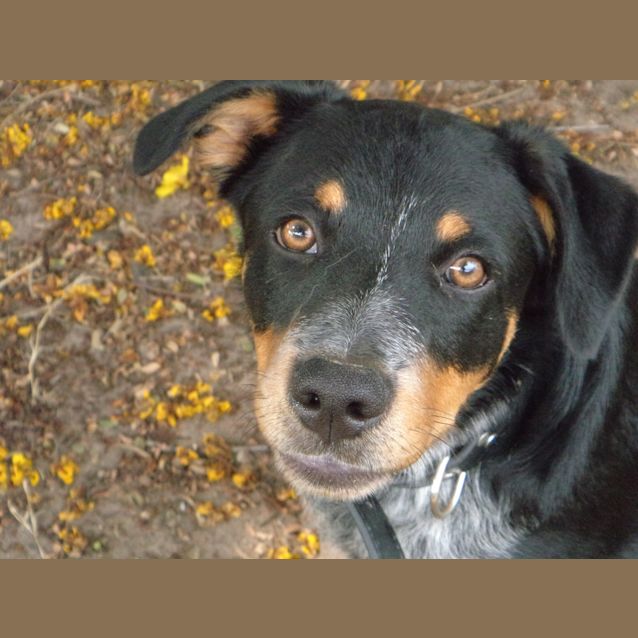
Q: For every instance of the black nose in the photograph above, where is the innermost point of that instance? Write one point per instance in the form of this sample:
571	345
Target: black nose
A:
338	401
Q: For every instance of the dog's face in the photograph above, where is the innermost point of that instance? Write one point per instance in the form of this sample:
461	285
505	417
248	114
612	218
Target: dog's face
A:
391	252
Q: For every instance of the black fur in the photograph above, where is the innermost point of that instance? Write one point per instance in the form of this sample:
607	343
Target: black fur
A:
564	399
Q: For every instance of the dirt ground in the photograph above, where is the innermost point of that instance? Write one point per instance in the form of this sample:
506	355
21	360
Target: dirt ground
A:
126	364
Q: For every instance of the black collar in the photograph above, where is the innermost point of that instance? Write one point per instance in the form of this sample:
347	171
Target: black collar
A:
376	530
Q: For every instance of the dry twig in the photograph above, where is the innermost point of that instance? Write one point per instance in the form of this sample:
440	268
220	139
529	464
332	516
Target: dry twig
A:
25	270
28	520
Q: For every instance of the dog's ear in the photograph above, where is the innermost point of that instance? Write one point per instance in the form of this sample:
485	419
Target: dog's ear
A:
592	218
227	121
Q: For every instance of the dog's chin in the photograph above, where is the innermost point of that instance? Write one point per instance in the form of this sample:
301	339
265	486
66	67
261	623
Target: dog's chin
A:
328	478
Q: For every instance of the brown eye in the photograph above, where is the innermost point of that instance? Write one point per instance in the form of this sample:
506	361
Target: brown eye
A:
298	236
468	273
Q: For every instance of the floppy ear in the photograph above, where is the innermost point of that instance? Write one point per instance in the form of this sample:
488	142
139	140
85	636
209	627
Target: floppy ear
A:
594	218
227	121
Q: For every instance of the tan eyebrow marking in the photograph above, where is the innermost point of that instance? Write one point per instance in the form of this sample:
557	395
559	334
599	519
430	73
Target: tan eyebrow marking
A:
546	218
452	227
510	333
331	196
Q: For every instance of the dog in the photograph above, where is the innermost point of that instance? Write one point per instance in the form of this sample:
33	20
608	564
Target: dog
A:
444	317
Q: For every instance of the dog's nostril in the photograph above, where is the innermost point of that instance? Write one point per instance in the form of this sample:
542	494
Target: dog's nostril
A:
356	411
311	401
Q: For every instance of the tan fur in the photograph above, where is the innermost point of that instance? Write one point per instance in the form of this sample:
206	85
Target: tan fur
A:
510	333
452	227
546	218
233	125
428	400
266	344
331	197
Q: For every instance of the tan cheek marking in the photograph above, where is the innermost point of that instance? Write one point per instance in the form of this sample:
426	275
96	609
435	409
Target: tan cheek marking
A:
275	360
546	218
266	345
447	389
428	400
234	124
331	196
452	227
510	333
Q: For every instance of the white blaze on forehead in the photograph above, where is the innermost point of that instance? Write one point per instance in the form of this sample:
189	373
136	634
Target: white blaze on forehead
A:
397	229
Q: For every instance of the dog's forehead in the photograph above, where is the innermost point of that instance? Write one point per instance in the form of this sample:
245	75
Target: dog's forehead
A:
383	155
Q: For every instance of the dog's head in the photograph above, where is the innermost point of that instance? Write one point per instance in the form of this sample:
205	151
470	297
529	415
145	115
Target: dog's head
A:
393	254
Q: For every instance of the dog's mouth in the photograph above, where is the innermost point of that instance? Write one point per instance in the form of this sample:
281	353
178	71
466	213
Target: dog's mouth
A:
325	476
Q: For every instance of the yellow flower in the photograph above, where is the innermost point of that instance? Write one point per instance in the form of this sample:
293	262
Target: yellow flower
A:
21	469
6	229
100	122
66	470
310	545
360	92
243	480
144	255
73	541
214	446
228	262
173	179
231	510
60	209
156	312
162	412
89	291
205	509
14	141
185	456
215	473
207	513
4	453
282	553
71	137
217	309
140	98
25	331
76	507
115	259
224	407
100	220
409	90
175	391
225	217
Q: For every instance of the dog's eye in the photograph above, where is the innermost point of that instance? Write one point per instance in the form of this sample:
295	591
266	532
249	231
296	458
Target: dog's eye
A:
468	273
298	236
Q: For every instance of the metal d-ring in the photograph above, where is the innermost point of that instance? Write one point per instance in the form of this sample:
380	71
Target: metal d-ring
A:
439	509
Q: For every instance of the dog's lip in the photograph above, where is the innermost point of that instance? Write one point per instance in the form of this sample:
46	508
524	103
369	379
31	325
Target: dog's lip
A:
325	469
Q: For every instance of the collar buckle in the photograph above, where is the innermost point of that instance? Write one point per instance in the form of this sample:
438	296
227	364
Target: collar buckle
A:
467	458
440	509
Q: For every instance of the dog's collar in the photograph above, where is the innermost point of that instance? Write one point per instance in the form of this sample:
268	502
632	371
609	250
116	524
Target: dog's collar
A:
376	530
